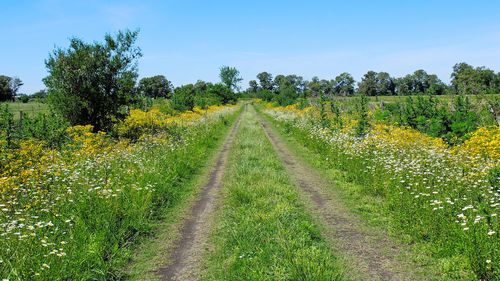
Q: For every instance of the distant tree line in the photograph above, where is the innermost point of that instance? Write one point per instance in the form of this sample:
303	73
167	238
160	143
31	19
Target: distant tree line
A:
465	80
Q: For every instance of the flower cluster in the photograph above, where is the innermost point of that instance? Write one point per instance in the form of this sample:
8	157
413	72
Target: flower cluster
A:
56	205
436	192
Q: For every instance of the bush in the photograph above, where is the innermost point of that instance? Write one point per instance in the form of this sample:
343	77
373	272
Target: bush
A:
288	96
183	98
89	83
266	95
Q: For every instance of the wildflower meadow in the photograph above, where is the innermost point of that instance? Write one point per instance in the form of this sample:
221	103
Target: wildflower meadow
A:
448	196
70	213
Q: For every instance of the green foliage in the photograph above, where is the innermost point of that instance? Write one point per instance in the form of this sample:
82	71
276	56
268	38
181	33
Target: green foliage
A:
494	178
88	83
377	84
155	87
230	77
39	96
140	102
363	122
335	109
6	125
266	81
427	115
9	87
183	98
294	82
288	96
468	80
201	94
5	91
24	98
266	95
420	83
324	120
223	93
253	86
344	85
49	128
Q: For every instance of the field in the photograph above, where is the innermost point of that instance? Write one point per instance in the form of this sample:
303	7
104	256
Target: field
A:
31	108
252	191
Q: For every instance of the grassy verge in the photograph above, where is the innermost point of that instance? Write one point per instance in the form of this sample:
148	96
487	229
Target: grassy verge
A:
373	208
152	251
83	209
263	231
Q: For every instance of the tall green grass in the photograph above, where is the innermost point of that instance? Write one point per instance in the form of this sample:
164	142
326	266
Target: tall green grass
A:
93	212
425	199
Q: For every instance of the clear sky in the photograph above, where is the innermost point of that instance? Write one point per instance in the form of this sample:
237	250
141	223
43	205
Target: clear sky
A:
187	40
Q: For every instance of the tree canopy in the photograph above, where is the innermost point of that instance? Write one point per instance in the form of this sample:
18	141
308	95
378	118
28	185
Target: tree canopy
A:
155	87
9	87
88	83
466	79
230	77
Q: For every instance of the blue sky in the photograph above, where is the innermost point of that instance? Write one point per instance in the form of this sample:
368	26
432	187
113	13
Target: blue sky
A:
189	40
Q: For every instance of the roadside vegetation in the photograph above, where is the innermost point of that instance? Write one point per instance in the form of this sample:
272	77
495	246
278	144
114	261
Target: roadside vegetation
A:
72	212
442	194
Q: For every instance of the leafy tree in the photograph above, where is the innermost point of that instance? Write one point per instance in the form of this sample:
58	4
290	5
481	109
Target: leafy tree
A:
24	98
315	86
385	84
42	94
222	92
230	76
286	97
327	87
369	84
265	80
404	85
266	95
201	86
253	86
419	83
155	87
9	87
15	84
279	83
88	83
468	80
344	85
377	84
183	97
282	82
5	89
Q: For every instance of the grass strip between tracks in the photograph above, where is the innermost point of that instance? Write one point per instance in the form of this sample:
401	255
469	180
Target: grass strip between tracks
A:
263	231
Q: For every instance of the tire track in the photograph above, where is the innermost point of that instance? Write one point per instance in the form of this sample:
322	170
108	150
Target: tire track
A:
186	253
371	254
